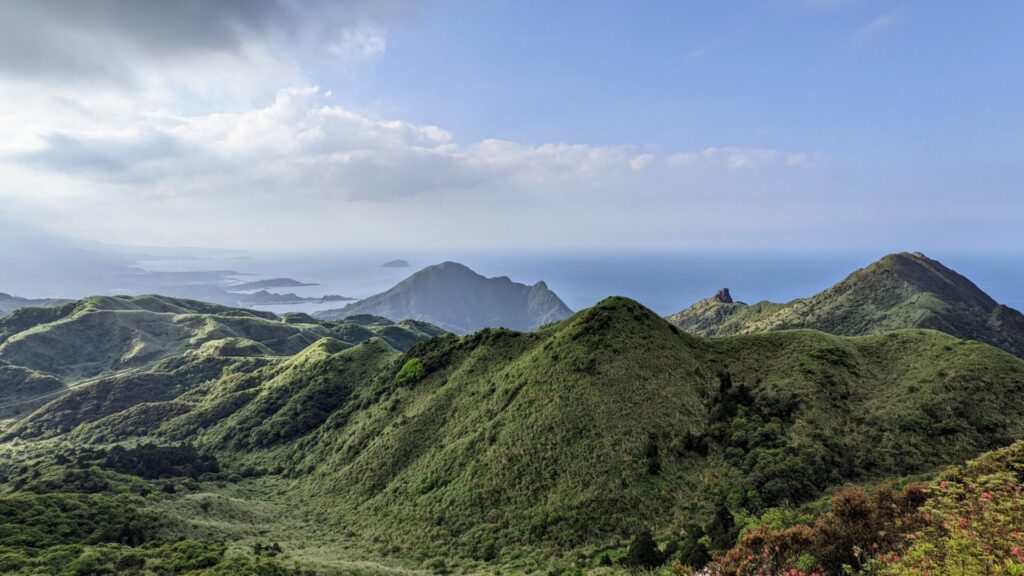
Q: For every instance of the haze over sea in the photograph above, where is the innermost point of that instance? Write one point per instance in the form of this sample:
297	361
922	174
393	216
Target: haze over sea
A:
663	280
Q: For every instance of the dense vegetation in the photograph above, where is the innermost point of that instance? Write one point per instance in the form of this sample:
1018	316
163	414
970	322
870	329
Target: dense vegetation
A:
898	292
968	522
608	441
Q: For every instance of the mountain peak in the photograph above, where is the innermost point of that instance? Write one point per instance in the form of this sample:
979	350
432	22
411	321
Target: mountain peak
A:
454	297
899	291
615	316
723	296
446	268
920	273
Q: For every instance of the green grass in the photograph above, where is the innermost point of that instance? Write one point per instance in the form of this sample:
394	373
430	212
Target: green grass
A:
900	291
521	452
102	335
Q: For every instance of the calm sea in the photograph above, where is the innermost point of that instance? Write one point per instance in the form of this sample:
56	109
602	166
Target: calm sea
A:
664	281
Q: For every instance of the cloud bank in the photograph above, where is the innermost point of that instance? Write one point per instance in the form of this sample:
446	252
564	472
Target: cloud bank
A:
188	123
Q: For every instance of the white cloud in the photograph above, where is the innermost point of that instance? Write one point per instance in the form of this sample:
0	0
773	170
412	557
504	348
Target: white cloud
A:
360	42
144	136
641	161
330	150
736	158
320	173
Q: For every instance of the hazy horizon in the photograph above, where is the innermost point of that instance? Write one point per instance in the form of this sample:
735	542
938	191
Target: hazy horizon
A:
666	279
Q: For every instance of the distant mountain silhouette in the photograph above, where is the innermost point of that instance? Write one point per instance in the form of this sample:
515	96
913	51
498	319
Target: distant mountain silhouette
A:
9	303
458	299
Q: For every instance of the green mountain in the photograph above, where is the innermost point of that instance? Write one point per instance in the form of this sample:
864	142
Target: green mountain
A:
42	350
459	300
905	290
525	450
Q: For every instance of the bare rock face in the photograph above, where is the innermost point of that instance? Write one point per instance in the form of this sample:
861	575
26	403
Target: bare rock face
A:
723	296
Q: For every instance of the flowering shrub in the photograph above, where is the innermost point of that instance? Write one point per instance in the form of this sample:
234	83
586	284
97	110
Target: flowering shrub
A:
859	526
970	522
974	527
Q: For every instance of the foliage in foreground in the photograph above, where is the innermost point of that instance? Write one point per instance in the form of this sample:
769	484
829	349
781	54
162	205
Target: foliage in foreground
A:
969	522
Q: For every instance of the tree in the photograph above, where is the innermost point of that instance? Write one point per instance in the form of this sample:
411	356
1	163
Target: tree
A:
723	528
651	456
643	552
693	552
412	371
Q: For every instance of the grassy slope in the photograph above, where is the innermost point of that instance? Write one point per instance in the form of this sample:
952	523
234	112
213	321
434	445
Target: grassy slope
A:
18	385
899	291
518	447
105	334
544	436
116	352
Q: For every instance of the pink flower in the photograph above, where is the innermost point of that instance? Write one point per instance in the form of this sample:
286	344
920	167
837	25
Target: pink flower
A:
1016	551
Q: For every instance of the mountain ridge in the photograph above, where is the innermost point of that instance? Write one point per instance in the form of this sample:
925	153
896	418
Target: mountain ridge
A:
45	350
504	440
899	291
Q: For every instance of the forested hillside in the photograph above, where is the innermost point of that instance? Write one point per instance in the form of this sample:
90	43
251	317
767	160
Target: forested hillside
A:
527	451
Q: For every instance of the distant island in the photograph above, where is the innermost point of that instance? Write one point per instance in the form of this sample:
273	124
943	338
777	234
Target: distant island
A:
396	264
452	296
268	283
337	298
265	298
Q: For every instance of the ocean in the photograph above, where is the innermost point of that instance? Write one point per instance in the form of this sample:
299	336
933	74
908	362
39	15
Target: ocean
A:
665	281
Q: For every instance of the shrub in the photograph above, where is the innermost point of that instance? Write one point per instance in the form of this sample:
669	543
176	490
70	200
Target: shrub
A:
860	526
413	371
643	552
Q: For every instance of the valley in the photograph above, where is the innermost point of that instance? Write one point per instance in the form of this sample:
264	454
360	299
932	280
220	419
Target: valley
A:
365	446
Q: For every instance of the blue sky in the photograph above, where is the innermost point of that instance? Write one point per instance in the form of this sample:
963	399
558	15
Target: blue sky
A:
781	124
865	78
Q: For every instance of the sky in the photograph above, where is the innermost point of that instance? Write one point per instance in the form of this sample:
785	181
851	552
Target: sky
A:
739	125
